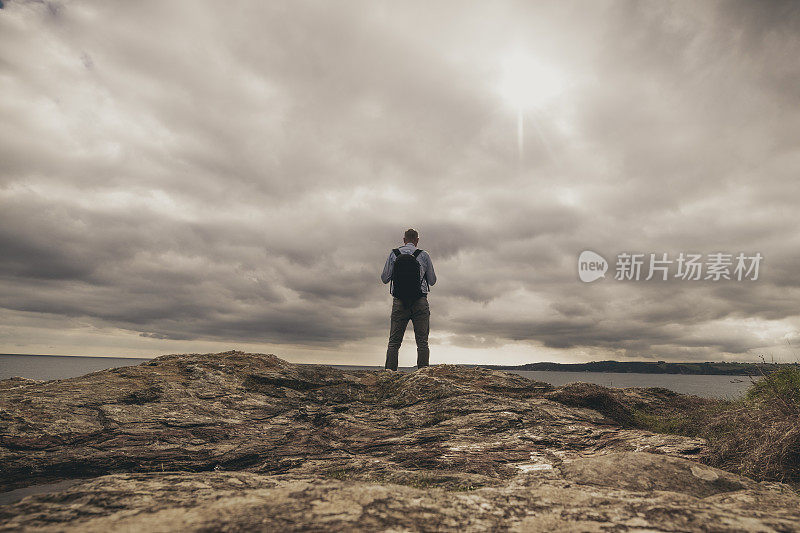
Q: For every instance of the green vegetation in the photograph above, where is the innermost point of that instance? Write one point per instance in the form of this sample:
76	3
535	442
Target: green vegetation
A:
782	386
342	474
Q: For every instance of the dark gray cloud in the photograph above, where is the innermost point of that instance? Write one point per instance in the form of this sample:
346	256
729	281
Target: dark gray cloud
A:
177	175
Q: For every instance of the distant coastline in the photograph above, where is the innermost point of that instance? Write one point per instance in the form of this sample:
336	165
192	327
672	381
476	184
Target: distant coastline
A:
703	368
659	367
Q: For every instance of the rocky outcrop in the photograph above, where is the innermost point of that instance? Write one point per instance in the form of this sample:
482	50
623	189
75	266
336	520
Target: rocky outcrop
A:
245	441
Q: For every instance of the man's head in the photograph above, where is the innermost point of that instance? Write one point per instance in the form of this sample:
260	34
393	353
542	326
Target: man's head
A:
411	236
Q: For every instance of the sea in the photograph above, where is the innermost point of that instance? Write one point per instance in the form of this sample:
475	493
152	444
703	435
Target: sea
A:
49	367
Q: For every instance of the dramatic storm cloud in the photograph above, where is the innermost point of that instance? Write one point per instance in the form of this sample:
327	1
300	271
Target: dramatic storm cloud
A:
192	176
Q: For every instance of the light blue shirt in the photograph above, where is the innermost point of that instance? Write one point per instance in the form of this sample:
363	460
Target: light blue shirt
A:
425	267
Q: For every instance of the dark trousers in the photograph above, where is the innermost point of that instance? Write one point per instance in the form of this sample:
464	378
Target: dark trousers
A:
420	315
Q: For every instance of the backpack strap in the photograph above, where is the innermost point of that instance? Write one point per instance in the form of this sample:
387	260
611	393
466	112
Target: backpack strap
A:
397	254
416	254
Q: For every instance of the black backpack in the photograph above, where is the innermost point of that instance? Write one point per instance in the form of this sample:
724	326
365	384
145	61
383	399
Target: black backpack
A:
406	280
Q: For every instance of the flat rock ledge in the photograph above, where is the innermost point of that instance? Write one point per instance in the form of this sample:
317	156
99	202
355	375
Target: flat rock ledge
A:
243	442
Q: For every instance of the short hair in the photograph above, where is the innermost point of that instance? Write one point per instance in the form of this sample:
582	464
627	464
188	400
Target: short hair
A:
411	234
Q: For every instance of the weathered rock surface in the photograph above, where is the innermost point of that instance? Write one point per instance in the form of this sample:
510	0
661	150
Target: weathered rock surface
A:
241	441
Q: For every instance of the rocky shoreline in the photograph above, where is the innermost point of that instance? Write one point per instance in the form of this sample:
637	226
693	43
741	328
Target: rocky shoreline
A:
241	441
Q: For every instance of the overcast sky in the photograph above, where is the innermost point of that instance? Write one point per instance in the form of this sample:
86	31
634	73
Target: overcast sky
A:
199	176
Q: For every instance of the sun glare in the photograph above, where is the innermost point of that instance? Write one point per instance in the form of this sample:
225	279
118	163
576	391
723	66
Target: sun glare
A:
527	83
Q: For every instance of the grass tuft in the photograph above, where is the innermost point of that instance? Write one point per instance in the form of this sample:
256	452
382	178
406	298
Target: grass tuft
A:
757	436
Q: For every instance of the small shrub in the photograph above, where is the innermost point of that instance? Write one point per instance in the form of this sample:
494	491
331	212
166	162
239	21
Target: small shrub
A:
782	387
759	436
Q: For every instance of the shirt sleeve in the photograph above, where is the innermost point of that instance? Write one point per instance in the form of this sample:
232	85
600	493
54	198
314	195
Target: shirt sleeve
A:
430	275
386	275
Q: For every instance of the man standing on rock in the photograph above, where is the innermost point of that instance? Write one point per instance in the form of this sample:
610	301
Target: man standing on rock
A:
410	271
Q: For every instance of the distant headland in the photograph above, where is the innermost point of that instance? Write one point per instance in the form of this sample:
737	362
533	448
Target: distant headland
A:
657	367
